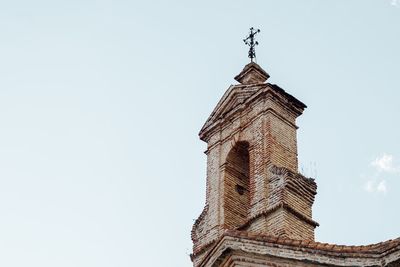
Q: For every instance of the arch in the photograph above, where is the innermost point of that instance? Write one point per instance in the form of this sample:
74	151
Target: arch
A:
237	186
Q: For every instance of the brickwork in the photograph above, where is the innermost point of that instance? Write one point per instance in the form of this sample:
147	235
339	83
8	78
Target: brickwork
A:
239	248
240	259
257	205
251	129
294	194
236	186
281	142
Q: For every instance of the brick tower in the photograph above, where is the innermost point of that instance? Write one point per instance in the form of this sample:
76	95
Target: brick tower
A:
258	207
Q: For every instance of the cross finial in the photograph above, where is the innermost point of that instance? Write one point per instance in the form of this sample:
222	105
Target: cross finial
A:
250	42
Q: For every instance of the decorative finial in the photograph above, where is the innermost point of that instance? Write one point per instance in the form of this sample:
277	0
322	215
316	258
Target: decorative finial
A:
250	42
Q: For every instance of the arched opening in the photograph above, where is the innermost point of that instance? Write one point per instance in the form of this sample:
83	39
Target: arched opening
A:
236	185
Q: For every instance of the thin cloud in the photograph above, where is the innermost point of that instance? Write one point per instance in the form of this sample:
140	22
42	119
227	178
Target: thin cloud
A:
385	163
369	186
375	187
382	187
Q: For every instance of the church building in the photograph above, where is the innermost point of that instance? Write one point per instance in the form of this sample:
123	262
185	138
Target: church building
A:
258	209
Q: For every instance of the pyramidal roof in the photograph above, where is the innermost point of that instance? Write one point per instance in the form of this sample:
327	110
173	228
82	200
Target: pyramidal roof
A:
252	73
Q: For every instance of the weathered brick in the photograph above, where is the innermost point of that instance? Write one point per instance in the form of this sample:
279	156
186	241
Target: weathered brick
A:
258	209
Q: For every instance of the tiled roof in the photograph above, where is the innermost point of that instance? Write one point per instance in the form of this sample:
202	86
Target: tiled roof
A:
378	248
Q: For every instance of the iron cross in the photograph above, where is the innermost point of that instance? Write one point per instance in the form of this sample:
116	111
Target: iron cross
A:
250	42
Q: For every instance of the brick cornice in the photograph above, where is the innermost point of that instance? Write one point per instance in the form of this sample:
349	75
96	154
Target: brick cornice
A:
201	249
197	223
271	210
224	110
249	122
379	254
297	183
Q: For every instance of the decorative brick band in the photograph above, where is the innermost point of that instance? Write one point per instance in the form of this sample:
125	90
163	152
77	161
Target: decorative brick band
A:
253	93
275	208
378	249
297	183
379	254
197	223
203	248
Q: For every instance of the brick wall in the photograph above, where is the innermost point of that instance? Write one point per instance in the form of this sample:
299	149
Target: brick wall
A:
258	209
236	199
251	130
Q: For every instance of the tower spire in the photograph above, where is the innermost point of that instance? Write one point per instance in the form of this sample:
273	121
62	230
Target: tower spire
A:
251	43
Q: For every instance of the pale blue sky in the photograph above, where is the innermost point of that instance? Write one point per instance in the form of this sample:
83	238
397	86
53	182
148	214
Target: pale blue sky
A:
101	103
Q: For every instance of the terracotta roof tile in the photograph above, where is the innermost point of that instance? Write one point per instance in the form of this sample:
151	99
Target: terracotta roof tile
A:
378	248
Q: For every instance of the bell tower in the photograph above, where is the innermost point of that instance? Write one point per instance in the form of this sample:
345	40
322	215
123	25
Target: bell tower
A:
258	209
253	184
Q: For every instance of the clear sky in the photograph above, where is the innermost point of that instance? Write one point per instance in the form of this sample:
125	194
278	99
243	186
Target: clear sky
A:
101	103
